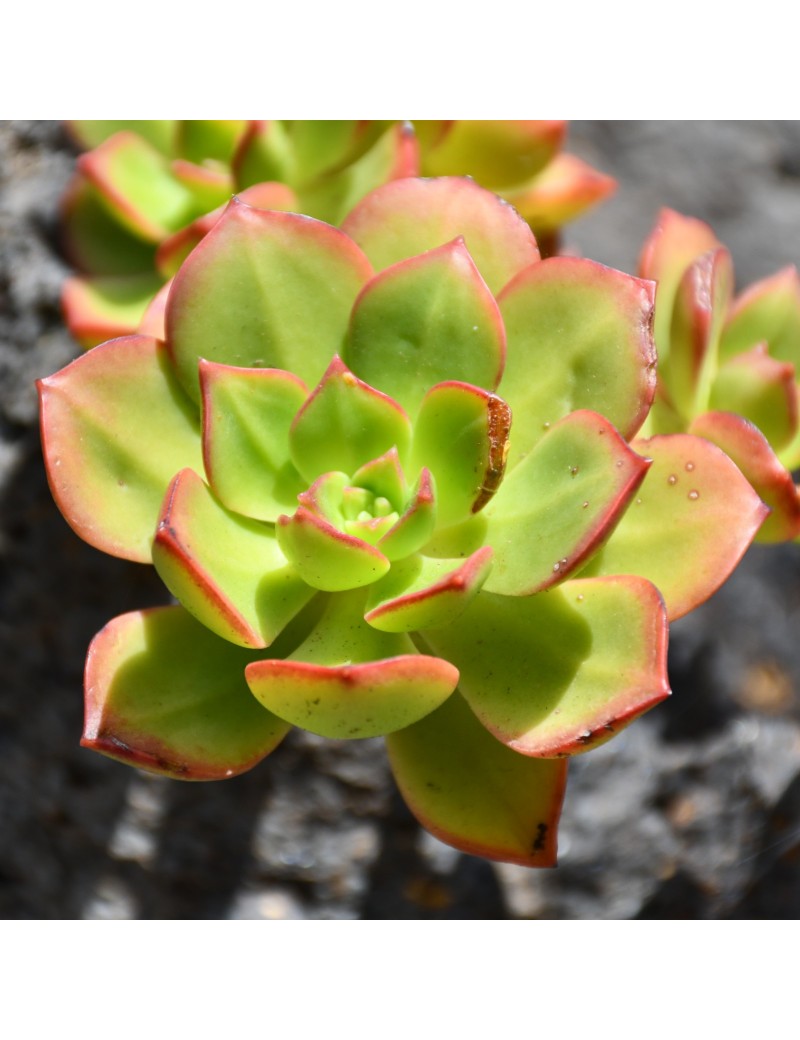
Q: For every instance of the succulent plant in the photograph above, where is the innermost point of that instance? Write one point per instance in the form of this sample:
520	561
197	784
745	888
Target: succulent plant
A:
146	192
728	365
384	472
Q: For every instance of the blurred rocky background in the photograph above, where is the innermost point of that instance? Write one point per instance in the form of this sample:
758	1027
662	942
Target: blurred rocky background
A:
693	812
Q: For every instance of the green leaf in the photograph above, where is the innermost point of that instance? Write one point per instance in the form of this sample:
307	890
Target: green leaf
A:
414	528
750	450
768	311
348	680
116	428
344	424
90	133
762	390
579	335
164	694
553	675
461	435
333	196
424	321
247	413
138	187
473	792
409	216
94	241
225	569
264	290
497	153
419	592
701	304
689	525
674	243
562	191
558	506
217	139
325	557
101	308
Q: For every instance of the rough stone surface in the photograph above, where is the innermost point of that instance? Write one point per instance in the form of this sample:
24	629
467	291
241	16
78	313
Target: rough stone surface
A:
693	812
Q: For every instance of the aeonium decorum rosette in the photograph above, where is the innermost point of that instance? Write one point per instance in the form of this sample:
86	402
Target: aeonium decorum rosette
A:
384	472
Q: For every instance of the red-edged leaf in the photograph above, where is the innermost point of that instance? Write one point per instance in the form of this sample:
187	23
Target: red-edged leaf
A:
762	390
164	694
409	216
102	308
579	335
750	450
116	428
427	320
473	792
264	290
555	674
225	569
689	525
325	557
559	505
422	592
768	311
564	189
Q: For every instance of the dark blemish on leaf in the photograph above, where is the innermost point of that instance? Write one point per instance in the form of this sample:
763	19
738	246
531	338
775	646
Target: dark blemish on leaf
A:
499	425
541	835
586	737
609	727
316	701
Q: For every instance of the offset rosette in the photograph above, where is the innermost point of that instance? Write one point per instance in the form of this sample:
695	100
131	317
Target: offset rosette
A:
385	473
147	191
728	368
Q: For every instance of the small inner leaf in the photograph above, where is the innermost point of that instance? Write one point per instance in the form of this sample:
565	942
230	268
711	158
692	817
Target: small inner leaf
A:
344	424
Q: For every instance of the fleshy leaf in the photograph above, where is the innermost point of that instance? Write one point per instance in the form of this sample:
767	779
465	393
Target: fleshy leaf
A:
136	183
674	243
325	557
174	249
762	390
201	140
344	424
560	504
116	428
473	792
102	308
767	311
94	241
416	525
89	133
461	435
409	216
553	675
383	476
152	323
564	189
247	413
164	694
226	570
348	680
701	304
496	152
335	194
264	290
427	320
210	186
420	592
695	507
598	323
750	450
